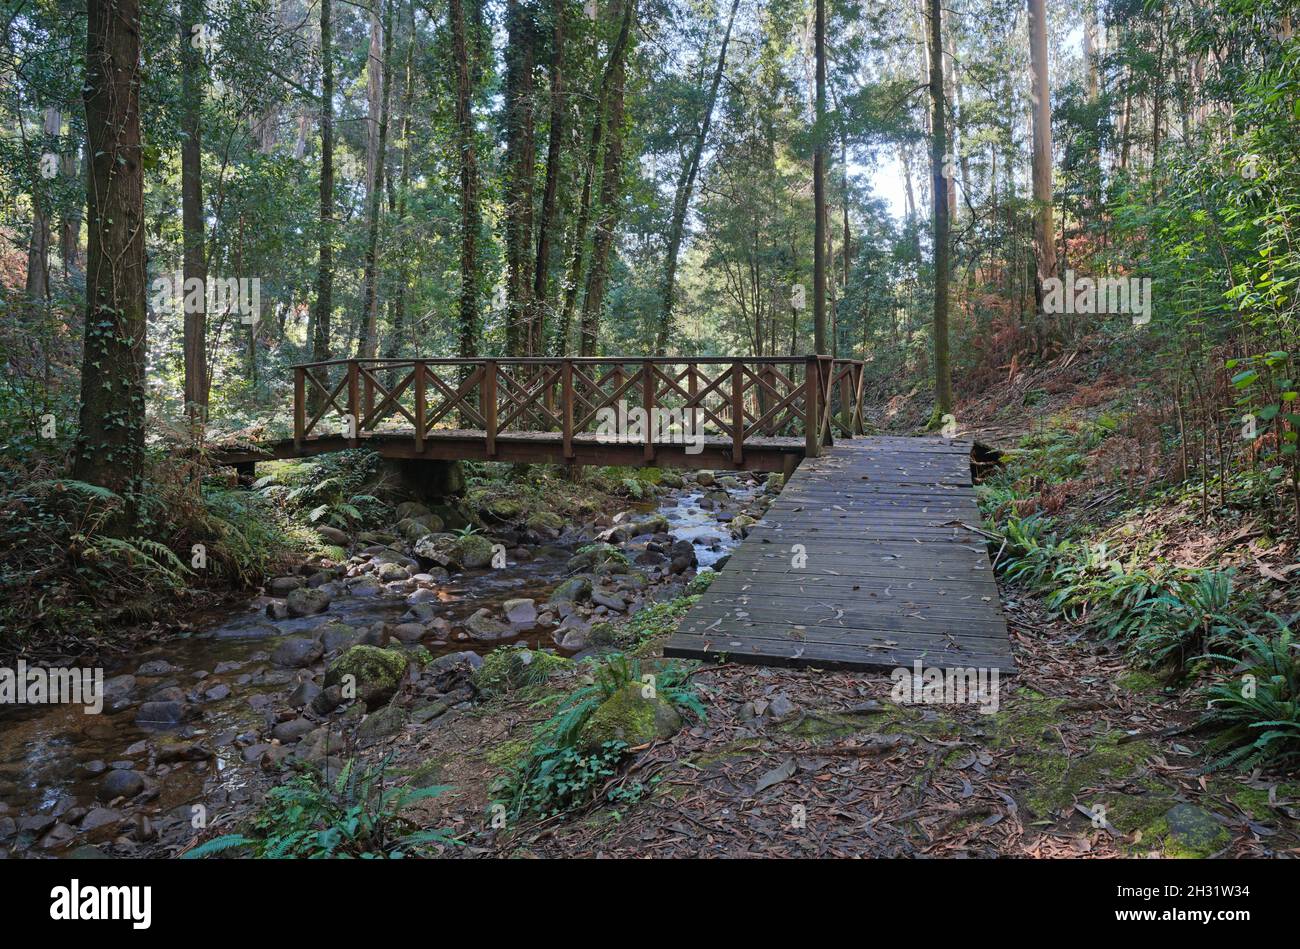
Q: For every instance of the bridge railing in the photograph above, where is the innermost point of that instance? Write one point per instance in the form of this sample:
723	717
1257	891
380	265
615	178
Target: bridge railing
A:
734	399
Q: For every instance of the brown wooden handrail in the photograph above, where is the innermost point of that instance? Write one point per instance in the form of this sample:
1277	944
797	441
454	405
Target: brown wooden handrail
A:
814	398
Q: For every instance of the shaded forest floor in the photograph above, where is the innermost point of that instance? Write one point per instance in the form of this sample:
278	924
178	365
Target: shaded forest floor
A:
1087	755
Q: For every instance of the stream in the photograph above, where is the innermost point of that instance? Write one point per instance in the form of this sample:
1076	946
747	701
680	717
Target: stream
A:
59	795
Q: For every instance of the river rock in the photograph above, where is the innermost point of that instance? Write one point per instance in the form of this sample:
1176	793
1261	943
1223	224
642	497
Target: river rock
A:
407	632
629	716
307	602
376	672
521	611
162	714
120	784
291	731
574	590
392	573
422	595
156	667
217	692
654	524
473	551
305	694
333	535
484	627
297	652
412	530
98	817
283	586
608	599
382	724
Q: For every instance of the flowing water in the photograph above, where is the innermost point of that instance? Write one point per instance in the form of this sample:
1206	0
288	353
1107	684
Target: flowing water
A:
53	757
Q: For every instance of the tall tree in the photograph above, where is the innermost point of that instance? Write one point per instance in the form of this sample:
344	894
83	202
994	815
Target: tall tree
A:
578	247
521	159
611	193
38	247
941	181
194	250
468	319
536	309
1041	101
368	344
110	442
325	268
819	185
685	185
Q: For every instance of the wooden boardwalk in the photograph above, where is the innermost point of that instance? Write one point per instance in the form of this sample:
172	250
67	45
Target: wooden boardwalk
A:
863	562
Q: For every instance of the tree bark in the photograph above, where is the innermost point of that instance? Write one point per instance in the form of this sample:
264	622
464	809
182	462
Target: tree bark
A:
521	160
939	210
611	189
682	200
38	248
468	317
325	270
195	266
110	442
579	238
1041	100
368	344
819	188
536	310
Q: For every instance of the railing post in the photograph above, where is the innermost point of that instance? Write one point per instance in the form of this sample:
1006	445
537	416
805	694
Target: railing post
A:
811	400
488	405
299	406
368	389
419	406
859	377
737	413
354	403
826	375
566	405
648	387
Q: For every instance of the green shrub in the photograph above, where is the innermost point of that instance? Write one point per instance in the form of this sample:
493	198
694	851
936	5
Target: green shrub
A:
1260	716
354	816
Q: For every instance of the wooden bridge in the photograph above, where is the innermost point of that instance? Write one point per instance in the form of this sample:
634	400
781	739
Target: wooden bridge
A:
757	414
867	559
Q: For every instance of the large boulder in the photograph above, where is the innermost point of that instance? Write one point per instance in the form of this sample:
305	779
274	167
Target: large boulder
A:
521	611
484	627
573	590
297	652
307	602
332	535
545	522
473	551
376	672
437	550
629	716
602	558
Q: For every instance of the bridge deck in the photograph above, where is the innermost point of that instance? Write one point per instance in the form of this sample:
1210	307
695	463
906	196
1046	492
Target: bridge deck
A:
891	574
758	453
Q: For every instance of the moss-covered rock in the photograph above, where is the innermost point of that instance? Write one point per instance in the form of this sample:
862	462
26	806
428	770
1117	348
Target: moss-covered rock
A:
473	550
603	558
1193	832
630	717
514	667
375	672
504	508
544	522
572	590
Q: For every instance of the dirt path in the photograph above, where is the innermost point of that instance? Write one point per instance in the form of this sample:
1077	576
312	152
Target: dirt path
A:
1060	770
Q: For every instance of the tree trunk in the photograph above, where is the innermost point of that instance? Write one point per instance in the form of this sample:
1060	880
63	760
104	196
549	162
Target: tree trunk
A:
536	312
819	189
394	346
110	443
195	265
325	270
939	211
1041	100
579	237
468	318
611	188
521	161
368	344
685	186
38	248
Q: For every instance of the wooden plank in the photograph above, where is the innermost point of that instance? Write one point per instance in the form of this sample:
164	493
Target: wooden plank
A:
890	572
